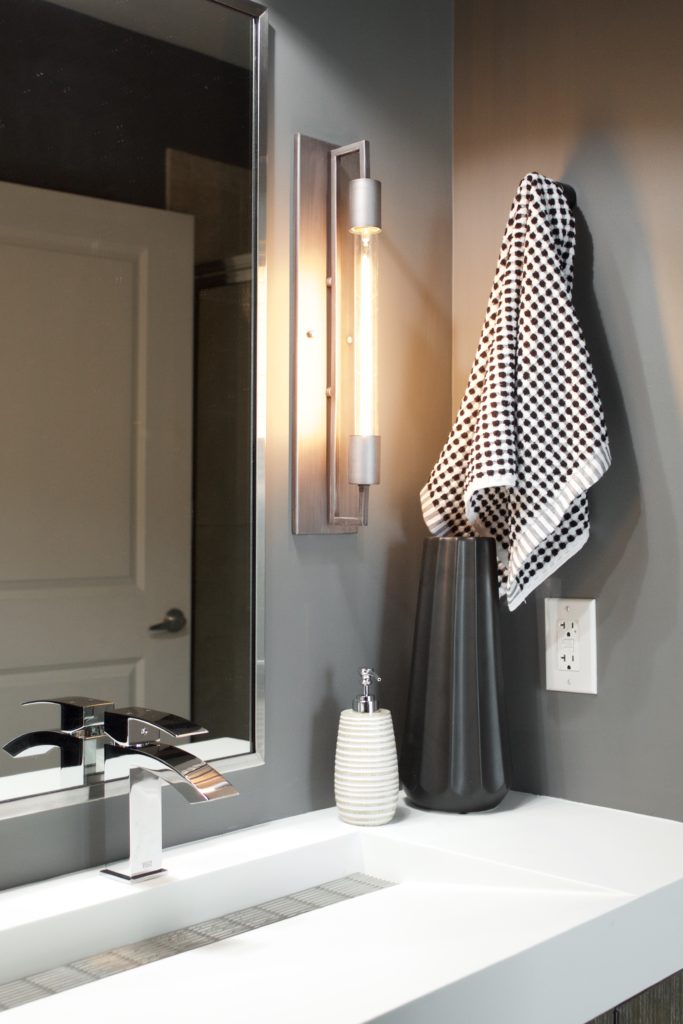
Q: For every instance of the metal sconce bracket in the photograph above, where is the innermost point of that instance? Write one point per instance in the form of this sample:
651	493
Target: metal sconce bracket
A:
322	338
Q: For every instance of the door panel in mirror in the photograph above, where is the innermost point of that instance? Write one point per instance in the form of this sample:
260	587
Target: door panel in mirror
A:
97	452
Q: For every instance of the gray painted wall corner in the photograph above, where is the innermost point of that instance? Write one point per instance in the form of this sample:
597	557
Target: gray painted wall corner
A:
609	124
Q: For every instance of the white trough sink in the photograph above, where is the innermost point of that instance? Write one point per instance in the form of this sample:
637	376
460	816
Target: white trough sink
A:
482	903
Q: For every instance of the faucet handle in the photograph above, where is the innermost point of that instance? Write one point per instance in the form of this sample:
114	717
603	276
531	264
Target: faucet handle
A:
77	713
136	726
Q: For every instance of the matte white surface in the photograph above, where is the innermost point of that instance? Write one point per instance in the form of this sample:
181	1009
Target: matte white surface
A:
366	782
539	907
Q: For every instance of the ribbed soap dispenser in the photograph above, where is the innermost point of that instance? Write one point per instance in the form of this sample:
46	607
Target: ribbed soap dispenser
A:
366	766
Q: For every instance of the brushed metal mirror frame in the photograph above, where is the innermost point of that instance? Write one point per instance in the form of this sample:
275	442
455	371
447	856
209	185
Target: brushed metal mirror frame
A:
61	798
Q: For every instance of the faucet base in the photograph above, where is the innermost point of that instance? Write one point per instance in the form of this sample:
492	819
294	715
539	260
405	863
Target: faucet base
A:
140	876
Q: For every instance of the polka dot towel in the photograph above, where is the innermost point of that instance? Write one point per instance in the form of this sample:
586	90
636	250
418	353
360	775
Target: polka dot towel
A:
530	437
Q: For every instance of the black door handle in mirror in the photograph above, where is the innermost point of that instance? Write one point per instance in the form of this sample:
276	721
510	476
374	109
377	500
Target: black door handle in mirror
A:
174	620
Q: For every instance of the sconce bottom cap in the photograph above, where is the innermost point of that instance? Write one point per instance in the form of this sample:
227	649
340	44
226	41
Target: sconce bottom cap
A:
364	452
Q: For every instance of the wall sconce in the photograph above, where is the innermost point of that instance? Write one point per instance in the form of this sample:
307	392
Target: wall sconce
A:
335	439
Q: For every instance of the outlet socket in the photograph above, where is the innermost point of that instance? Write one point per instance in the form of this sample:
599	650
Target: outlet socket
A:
570	645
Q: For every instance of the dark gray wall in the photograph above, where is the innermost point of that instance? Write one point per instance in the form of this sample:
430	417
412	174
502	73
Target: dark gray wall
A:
590	93
91	108
380	70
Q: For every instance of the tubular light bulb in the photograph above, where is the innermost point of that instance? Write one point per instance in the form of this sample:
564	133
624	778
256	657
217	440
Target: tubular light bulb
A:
365	332
365	220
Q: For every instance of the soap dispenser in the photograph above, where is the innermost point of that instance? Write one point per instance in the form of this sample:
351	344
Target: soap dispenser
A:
366	766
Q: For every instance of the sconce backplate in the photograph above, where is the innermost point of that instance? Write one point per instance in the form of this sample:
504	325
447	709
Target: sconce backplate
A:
322	356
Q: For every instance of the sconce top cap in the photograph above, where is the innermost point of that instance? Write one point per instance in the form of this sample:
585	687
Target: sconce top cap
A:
365	205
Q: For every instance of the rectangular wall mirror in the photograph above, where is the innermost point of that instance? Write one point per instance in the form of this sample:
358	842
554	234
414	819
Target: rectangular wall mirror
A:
132	197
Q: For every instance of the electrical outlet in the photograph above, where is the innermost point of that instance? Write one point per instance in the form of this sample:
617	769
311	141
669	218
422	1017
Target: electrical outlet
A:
567	656
570	645
568	626
567	632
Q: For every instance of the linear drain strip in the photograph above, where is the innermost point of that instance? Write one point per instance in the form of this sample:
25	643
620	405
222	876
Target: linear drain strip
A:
125	958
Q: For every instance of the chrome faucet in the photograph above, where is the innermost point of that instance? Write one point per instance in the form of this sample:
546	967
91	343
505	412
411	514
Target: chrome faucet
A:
153	735
79	738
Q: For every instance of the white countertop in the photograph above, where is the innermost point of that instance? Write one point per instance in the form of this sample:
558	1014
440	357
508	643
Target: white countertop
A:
539	910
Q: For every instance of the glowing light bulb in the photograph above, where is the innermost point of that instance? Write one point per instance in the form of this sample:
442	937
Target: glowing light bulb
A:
365	334
364	443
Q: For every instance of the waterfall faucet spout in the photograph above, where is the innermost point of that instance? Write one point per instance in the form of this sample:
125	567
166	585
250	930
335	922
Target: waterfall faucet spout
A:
140	732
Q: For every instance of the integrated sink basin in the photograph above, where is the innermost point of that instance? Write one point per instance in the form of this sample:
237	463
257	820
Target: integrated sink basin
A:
491	915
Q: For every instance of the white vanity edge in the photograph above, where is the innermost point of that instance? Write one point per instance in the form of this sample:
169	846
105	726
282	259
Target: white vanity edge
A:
608	924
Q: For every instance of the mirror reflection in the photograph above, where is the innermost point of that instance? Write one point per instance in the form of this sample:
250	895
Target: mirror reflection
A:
127	400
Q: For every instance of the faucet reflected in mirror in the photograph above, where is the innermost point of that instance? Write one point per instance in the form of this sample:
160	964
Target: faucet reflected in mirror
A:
93	731
78	737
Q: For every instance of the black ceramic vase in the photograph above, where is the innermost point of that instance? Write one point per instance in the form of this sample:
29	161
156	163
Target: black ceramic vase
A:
453	756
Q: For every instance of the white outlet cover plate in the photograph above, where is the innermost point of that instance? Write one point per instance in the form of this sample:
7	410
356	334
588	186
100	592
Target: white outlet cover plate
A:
581	612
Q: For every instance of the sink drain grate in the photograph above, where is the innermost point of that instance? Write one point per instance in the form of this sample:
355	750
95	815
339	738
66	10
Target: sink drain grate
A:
125	958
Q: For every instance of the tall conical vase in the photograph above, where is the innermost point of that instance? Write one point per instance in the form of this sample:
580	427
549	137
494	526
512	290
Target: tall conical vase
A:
454	754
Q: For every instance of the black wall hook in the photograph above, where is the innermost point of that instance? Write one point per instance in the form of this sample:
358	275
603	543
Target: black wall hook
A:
570	193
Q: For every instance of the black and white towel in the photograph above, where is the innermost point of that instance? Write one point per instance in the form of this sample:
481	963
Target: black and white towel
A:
530	437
